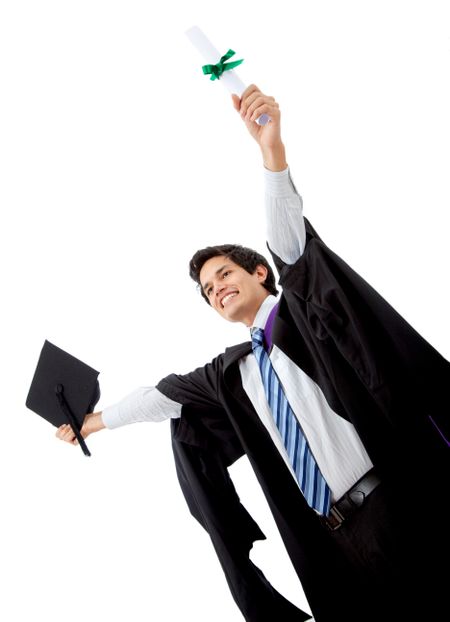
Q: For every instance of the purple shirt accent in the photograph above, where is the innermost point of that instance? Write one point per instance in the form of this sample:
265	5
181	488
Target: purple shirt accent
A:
268	328
439	430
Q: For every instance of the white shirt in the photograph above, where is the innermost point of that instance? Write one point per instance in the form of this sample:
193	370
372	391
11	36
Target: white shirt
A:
333	441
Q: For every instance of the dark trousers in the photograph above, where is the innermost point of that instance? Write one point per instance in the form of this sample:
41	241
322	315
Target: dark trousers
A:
396	545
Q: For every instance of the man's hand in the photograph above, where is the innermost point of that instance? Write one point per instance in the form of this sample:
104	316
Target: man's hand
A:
92	423
252	105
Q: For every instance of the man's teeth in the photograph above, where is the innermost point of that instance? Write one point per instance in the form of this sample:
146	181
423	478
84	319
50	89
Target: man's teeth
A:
226	298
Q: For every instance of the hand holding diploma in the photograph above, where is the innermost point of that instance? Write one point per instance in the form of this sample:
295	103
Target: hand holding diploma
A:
251	106
220	67
256	108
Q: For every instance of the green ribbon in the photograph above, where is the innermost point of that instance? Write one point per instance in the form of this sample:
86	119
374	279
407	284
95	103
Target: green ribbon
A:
217	70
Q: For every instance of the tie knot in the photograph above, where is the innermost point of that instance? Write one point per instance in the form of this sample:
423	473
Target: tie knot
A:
257	338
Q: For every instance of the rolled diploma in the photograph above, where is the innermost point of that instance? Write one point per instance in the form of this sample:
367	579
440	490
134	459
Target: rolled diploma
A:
211	56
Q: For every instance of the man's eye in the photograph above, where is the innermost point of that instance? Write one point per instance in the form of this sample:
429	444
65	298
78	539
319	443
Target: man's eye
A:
208	291
226	273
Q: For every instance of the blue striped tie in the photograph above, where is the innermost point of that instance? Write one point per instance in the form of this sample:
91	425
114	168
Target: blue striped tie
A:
310	479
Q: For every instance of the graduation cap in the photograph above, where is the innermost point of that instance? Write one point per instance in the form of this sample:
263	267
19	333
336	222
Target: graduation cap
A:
63	390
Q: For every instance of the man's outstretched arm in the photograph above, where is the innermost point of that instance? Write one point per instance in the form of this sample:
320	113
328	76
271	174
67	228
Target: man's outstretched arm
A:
143	404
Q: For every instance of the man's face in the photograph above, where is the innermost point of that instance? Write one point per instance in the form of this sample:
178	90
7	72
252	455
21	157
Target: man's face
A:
234	293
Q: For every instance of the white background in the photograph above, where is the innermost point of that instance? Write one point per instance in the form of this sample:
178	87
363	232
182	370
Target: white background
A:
118	160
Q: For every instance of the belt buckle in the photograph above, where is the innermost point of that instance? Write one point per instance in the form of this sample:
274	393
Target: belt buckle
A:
335	519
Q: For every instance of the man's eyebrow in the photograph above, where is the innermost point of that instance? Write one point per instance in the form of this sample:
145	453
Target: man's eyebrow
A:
217	272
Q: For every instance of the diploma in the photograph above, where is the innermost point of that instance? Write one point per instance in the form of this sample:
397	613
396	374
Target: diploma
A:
210	54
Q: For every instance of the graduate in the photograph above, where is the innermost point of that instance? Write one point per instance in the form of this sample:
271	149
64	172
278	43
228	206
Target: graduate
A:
340	406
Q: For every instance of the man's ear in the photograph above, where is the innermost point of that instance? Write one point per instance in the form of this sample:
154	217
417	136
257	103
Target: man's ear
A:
261	272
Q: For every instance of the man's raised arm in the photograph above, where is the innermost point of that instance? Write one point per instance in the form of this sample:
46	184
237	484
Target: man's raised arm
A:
286	233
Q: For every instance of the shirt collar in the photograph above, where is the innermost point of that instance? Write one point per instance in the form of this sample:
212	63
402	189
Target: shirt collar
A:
264	311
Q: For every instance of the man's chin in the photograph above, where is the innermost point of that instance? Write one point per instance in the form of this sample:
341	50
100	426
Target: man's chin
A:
232	315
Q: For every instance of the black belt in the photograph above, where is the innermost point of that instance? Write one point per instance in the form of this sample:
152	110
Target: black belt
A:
351	501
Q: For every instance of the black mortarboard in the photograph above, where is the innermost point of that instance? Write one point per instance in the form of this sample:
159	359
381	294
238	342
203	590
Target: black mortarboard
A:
63	390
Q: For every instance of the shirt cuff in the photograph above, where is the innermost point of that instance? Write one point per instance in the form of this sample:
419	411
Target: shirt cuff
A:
111	417
279	184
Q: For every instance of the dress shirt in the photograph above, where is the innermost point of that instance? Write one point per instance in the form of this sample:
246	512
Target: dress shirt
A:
334	441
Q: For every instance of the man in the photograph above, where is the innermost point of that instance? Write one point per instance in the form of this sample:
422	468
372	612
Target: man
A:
338	404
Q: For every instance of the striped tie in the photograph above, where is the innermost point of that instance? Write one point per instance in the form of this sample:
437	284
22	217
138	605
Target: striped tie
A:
310	479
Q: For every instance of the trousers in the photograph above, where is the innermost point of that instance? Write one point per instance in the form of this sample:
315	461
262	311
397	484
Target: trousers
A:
397	545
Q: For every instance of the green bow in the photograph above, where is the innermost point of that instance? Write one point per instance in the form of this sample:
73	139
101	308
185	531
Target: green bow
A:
217	70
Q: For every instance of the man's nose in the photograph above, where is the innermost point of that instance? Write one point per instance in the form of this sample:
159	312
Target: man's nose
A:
218	287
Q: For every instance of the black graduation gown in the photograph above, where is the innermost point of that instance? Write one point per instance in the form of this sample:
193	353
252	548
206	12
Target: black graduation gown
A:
376	371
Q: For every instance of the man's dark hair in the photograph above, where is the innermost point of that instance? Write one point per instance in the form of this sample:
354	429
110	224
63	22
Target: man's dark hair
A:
247	258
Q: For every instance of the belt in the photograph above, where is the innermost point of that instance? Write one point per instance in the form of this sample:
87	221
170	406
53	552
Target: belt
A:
351	501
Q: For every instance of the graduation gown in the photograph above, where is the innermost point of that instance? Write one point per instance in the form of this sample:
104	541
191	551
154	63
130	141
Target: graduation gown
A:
375	371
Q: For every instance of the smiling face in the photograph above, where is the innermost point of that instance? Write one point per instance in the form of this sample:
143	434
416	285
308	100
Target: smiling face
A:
234	293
